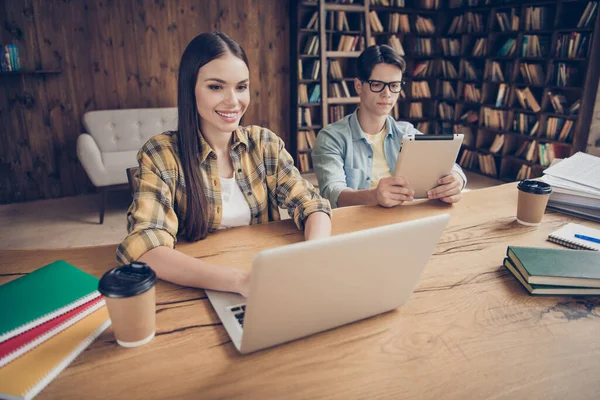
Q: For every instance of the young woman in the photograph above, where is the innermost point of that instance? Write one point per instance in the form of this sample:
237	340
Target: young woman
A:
212	173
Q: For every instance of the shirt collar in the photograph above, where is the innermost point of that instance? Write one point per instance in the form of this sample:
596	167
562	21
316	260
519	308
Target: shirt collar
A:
239	137
356	129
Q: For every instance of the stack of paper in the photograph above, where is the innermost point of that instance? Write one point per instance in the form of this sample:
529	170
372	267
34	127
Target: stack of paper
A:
48	317
575	186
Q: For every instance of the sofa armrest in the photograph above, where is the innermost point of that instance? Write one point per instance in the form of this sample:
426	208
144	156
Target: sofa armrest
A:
90	157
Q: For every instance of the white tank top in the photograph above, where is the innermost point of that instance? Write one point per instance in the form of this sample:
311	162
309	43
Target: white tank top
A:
236	211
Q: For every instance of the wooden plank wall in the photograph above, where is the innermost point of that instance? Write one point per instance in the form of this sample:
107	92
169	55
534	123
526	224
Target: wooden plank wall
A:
118	54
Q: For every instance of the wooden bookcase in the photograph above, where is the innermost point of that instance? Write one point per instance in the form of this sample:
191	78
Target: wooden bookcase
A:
451	72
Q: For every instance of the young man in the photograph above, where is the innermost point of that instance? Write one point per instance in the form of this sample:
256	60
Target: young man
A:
354	157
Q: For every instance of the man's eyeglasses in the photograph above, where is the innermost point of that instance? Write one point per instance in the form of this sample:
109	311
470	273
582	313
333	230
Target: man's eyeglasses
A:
379	86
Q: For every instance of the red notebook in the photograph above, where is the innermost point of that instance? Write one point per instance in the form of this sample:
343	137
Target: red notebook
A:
20	344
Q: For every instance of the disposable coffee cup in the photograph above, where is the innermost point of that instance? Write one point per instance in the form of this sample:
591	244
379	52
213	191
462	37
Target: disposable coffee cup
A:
131	301
533	197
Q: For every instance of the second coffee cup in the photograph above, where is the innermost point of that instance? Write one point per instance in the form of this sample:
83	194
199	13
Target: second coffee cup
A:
533	198
130	297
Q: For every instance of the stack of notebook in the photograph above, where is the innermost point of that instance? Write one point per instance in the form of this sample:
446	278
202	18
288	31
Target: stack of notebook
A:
575	186
55	313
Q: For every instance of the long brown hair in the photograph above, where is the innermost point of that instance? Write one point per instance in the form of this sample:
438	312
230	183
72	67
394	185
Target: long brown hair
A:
200	51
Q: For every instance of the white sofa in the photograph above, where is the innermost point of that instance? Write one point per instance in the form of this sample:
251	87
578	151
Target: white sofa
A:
112	141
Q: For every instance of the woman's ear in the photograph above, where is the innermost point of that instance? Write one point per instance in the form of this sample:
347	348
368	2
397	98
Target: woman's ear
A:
357	85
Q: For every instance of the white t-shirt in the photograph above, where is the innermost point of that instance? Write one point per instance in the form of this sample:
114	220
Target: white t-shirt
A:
380	169
236	211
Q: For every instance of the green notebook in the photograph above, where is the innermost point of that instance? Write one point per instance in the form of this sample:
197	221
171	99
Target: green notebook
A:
543	266
550	289
42	295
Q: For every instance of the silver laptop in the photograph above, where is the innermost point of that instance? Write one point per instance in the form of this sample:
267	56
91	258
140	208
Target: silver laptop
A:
304	288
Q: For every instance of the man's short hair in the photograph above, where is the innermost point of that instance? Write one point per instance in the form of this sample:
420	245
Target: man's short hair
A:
378	54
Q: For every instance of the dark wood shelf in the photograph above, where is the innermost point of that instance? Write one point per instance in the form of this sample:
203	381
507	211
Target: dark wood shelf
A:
31	72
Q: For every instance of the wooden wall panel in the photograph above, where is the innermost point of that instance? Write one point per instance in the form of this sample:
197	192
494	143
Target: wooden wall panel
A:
118	54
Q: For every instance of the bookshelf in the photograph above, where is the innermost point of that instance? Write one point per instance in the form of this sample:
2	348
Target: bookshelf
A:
518	79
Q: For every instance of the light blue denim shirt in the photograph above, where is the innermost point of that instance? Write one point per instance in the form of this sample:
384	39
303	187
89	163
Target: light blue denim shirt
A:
343	157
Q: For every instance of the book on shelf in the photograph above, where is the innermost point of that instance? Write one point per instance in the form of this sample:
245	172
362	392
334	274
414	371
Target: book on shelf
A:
447	69
416	110
479	48
448	91
533	74
558	102
311	48
304	162
335	70
302	93
527	99
572	45
396	44
376	25
423	69
558	267
313	22
469	70
424	25
524	172
398	23
472	93
565	236
474	23
304	116
504	92
574	108
588	15
535	18
468	136
350	43
546	153
508	49
525	124
496	74
446	111
470	117
420	89
315	94
9	58
497	144
494	118
506	22
487	164
450	47
424	46
558	128
534	46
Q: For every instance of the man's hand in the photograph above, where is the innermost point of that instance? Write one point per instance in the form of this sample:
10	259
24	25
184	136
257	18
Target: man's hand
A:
392	191
449	189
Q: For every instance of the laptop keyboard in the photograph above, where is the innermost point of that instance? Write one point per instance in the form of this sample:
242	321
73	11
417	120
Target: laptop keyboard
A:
238	312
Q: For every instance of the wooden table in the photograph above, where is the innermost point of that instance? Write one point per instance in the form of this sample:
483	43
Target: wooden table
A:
469	331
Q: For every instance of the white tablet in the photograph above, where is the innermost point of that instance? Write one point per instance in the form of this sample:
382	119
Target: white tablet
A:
424	159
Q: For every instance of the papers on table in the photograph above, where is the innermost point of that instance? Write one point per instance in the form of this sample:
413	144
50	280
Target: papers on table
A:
575	186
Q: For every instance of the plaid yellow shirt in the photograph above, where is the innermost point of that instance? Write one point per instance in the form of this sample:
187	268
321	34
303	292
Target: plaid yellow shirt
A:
265	173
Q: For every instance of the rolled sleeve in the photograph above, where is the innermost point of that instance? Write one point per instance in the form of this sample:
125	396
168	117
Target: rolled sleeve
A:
294	192
152	221
329	166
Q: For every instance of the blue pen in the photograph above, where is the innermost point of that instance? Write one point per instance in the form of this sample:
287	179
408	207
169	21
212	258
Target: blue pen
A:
588	238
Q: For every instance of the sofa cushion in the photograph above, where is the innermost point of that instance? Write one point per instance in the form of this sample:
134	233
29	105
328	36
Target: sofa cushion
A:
127	130
116	164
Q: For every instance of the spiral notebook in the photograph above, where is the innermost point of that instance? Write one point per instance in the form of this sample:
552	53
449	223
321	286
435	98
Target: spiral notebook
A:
565	236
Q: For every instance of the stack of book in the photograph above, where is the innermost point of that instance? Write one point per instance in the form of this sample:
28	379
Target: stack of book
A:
575	186
9	58
55	313
555	271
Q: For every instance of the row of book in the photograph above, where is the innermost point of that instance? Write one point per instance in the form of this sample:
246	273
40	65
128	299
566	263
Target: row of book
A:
536	18
9	58
306	140
572	45
467	23
48	318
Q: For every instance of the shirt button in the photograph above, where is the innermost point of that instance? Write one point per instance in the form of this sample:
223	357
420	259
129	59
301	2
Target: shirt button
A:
369	156
368	178
239	170
256	216
249	193
215	182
